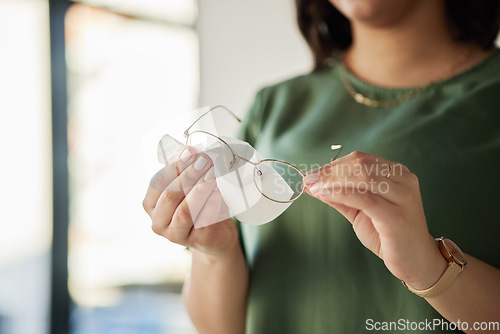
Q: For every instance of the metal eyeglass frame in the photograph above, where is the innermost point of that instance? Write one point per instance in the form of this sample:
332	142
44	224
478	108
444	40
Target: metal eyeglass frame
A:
257	170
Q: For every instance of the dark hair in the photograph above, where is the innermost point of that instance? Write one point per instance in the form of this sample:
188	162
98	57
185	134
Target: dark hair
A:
328	32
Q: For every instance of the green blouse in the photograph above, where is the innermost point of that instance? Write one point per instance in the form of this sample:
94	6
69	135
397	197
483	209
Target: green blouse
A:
309	273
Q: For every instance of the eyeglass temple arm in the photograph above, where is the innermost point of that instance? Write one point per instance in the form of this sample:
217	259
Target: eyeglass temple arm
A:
186	133
336	147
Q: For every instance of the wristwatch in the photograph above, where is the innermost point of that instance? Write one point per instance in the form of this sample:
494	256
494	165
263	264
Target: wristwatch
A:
456	263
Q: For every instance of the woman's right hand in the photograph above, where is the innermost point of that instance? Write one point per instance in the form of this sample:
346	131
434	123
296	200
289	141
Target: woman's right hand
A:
183	194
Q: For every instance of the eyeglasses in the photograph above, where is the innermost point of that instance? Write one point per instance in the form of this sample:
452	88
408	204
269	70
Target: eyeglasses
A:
276	180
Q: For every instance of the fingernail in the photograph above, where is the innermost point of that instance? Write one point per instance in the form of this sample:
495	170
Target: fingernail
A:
200	163
186	155
311	178
315	188
210	175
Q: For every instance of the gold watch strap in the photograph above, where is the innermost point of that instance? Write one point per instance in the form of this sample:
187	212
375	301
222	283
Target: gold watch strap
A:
449	275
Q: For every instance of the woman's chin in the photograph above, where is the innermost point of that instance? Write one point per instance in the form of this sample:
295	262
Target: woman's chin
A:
374	12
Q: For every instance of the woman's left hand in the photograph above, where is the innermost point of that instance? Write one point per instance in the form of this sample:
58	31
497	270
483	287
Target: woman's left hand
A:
386	213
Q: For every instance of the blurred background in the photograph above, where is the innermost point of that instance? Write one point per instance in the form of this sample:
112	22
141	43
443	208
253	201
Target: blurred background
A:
83	86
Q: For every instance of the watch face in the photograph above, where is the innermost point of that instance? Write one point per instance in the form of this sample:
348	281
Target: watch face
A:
456	253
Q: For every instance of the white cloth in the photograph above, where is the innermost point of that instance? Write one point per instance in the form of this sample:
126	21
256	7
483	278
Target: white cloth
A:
236	184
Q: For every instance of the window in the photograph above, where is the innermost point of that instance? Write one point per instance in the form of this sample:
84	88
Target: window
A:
130	64
25	171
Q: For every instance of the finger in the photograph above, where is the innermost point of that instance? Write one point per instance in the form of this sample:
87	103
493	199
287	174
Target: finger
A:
163	212
190	176
374	206
391	191
190	208
177	190
364	172
328	165
361	157
362	162
361	223
166	175
348	212
376	168
175	166
344	159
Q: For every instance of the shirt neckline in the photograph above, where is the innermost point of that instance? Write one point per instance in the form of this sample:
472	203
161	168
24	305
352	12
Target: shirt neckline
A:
369	87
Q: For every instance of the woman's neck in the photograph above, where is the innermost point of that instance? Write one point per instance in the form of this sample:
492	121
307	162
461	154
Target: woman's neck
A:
412	51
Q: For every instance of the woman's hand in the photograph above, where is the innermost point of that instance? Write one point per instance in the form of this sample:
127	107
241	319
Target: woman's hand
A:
184	194
386	213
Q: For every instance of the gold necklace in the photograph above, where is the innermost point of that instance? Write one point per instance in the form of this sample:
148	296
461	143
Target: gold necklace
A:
361	99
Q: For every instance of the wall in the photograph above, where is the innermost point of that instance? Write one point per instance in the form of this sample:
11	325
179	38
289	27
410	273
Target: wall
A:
245	45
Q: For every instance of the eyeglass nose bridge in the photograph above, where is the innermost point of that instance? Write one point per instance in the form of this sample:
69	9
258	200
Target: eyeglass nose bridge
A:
233	162
258	171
